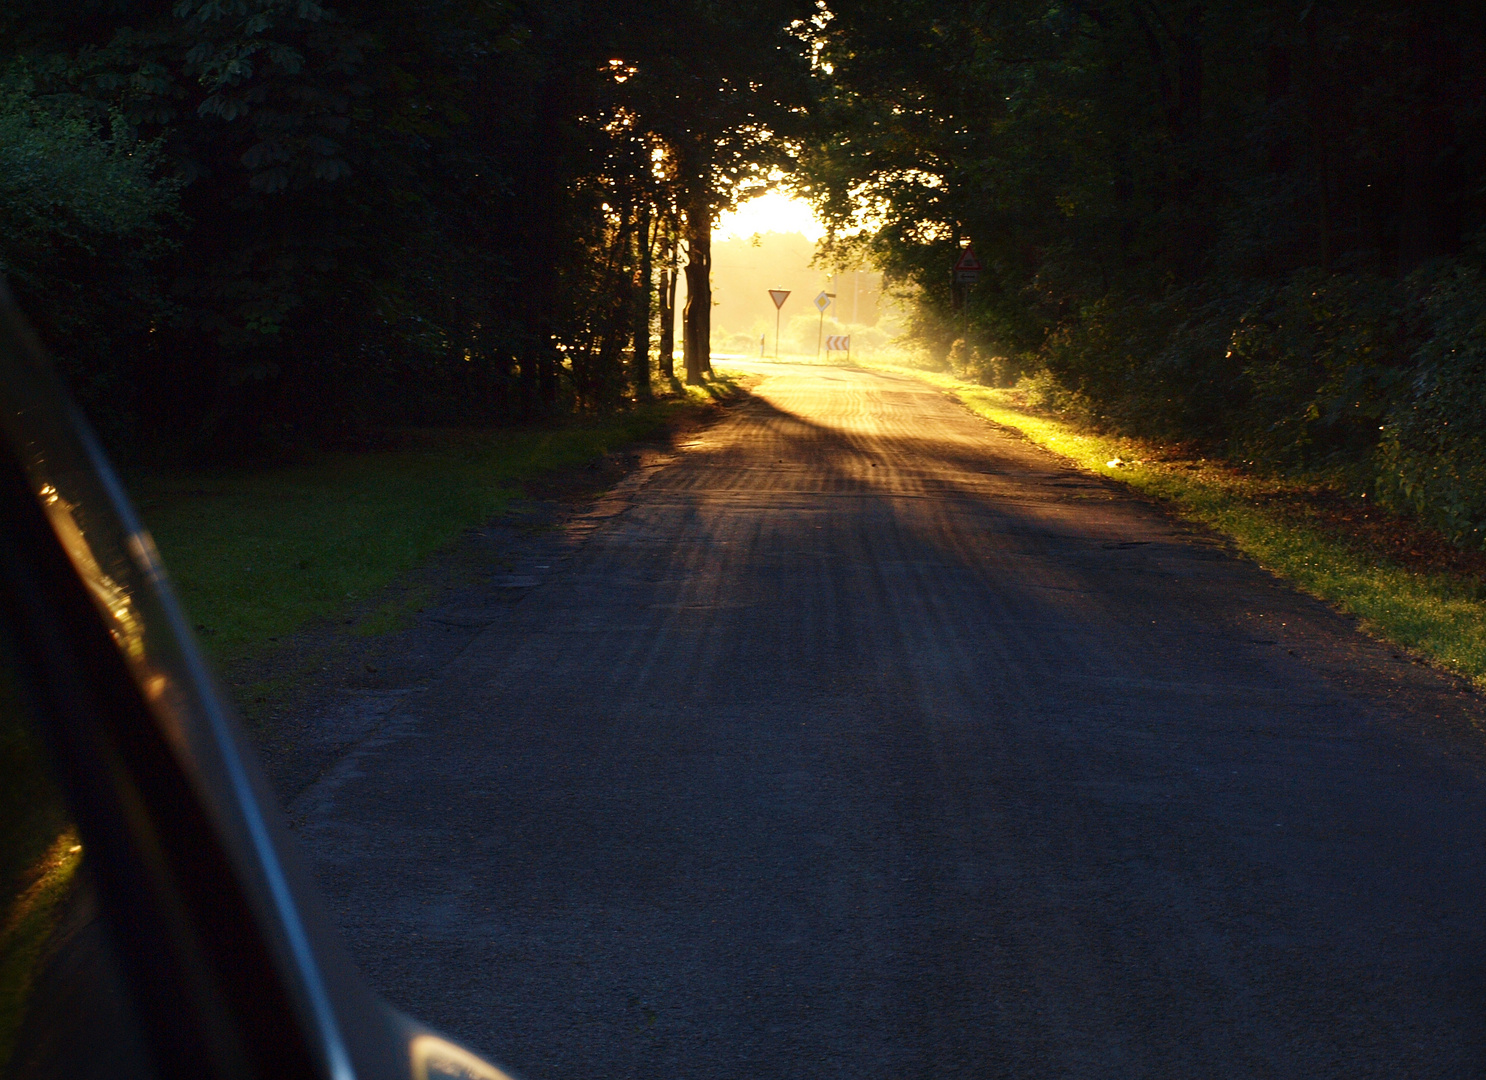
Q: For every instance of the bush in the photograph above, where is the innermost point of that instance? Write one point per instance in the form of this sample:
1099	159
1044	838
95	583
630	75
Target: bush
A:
1381	380
1432	454
82	217
67	182
1321	358
982	365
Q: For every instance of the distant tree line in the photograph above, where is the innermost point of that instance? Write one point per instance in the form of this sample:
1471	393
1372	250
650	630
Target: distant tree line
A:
1254	225
250	224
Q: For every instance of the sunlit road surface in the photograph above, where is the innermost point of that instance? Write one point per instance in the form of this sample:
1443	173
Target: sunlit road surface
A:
871	742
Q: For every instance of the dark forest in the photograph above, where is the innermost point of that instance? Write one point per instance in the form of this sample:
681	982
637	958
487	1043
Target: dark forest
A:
256	223
1254	227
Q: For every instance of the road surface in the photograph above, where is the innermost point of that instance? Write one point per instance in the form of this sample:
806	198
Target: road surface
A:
867	740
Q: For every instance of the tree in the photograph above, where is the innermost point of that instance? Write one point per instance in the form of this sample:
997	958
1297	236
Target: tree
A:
730	109
374	212
1207	221
83	200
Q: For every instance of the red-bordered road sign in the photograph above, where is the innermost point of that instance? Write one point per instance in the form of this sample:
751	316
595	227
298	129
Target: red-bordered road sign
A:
967	268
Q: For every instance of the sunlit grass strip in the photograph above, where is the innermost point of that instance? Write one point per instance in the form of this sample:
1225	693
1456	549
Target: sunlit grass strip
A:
26	926
1433	615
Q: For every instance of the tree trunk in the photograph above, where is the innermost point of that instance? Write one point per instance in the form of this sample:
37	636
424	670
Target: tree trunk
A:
1320	135
697	343
540	191
1428	217
640	360
1189	73
668	277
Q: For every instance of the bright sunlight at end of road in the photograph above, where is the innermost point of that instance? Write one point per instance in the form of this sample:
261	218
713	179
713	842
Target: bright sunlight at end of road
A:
777	212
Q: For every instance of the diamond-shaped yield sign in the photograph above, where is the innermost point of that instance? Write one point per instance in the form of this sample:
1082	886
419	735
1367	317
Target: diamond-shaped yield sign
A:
779	296
823	301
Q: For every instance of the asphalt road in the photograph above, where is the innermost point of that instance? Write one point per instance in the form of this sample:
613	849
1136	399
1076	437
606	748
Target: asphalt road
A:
868	741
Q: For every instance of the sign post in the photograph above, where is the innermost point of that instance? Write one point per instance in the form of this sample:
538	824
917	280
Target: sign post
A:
822	302
779	296
967	268
839	343
967	273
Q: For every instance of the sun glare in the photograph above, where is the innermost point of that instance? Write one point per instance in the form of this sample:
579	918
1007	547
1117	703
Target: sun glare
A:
774	212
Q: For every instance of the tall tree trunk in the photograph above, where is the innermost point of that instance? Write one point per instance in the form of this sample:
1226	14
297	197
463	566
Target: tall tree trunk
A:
1428	215
640	360
1189	73
668	277
697	343
540	189
1196	229
1174	41
1320	135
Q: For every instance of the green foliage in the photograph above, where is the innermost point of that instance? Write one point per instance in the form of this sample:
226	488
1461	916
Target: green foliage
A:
1318	356
1242	224
979	365
1432	457
370	213
66	182
82	200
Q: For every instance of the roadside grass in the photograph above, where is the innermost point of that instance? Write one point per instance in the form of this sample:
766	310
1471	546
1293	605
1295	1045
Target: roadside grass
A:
256	553
1436	615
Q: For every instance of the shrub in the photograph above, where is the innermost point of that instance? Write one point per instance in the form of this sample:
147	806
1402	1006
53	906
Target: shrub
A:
1321	359
83	212
1432	454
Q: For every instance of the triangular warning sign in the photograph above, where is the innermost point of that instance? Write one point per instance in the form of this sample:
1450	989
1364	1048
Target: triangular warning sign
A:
967	260
779	296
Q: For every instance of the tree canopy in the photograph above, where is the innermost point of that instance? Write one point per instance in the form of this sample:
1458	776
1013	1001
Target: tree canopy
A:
1256	225
1252	224
304	218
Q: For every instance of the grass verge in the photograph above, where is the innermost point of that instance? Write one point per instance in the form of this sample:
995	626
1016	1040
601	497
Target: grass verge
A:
256	553
1281	523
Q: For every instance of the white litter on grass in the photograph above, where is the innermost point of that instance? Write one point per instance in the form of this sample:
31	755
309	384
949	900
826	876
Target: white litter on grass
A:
1115	463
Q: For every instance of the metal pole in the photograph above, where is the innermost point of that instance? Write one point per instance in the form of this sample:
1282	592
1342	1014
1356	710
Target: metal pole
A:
777	310
819	330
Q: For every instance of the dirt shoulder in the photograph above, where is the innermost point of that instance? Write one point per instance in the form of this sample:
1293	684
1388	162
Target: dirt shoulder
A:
331	683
